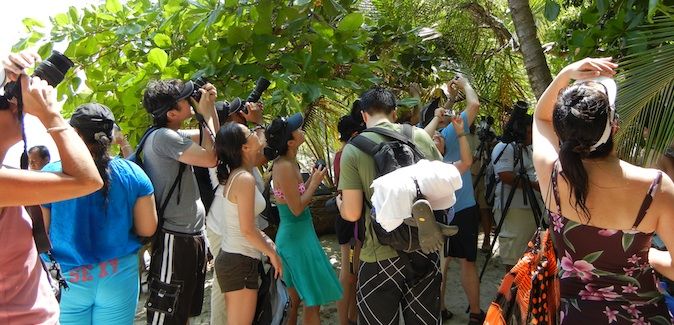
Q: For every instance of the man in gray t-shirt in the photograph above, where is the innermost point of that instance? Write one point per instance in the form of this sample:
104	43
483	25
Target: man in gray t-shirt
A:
184	212
178	264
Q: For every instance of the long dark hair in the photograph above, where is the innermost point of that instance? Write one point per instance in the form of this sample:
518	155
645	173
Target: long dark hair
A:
579	119
99	146
228	143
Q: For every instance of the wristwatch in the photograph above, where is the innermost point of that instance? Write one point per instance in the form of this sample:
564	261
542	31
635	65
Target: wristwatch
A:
669	152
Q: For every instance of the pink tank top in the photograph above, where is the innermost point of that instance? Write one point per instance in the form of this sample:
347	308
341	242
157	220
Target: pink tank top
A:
25	293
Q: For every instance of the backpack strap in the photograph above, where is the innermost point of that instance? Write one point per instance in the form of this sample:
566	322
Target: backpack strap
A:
141	144
647	200
402	137
176	182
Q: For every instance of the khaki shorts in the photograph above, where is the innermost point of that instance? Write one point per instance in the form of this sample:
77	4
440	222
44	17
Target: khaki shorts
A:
517	230
479	195
236	271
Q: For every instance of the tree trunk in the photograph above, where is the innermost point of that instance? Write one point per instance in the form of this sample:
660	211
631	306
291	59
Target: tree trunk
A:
534	59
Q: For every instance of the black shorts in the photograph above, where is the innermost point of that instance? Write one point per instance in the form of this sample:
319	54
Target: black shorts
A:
177	274
464	244
236	271
346	229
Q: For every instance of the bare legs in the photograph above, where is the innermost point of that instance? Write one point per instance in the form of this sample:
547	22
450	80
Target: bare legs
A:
311	314
241	306
346	307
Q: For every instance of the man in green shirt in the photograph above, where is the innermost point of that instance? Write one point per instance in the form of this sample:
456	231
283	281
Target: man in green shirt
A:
384	283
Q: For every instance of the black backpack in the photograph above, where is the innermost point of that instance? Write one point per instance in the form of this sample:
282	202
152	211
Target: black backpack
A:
137	158
396	152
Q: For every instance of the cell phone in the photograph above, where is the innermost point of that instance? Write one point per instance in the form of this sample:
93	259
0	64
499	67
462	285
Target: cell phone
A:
450	113
320	163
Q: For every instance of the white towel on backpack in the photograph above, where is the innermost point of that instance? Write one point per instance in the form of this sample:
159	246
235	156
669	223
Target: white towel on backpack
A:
395	192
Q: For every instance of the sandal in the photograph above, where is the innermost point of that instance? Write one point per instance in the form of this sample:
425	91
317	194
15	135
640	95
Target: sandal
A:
477	319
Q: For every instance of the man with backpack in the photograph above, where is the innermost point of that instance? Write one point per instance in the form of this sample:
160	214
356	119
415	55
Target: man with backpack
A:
178	264
389	279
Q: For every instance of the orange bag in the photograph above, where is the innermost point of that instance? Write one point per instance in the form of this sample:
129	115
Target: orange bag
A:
529	293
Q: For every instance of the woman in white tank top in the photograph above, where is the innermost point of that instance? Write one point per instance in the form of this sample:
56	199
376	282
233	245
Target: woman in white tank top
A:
238	202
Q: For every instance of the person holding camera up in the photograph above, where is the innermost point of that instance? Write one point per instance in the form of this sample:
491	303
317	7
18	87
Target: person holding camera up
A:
242	242
520	222
26	296
466	211
96	237
178	263
306	269
241	113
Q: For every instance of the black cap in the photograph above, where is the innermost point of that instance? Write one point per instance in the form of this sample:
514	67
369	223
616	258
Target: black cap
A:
93	117
225	108
186	91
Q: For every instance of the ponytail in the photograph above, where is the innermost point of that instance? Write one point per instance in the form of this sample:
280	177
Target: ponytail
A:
571	153
99	145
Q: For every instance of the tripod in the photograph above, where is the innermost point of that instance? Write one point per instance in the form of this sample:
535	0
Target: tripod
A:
484	154
521	180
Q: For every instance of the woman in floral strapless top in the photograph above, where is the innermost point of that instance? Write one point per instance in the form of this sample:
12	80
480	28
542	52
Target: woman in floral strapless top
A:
603	211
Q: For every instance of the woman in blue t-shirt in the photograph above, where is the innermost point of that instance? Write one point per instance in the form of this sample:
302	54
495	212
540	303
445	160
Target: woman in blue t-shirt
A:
95	238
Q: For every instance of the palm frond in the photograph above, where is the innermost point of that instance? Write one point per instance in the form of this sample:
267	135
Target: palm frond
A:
646	97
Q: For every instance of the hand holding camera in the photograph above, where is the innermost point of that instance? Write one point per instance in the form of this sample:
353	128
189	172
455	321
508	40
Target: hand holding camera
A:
39	98
457	122
16	64
319	172
207	95
252	112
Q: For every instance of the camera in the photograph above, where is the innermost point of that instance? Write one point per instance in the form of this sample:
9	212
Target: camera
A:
516	128
260	86
52	70
484	131
320	163
198	83
450	113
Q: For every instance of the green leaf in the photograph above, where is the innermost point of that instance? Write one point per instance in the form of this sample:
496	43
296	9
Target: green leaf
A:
350	22
238	34
408	102
590	258
30	23
602	5
72	11
552	9
113	6
231	3
158	57
263	27
61	19
627	241
45	50
652	5
162	40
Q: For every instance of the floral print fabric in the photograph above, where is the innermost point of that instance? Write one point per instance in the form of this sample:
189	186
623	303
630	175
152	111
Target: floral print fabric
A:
604	274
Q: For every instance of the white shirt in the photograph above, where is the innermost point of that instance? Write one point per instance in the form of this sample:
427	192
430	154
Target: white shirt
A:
507	164
394	193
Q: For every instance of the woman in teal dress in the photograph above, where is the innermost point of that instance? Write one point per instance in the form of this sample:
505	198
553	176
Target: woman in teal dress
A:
307	272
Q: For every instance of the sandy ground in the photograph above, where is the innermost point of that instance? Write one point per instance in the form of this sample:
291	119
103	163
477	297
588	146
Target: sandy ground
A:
454	298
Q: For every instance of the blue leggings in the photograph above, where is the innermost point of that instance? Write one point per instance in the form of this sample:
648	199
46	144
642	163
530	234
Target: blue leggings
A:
103	293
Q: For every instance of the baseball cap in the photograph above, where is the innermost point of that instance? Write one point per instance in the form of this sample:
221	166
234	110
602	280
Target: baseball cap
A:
225	108
93	117
294	122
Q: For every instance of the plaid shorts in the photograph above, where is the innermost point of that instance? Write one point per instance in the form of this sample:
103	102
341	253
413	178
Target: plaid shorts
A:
385	287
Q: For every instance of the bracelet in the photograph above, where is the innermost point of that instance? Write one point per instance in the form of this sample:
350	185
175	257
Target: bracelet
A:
57	129
258	127
460	135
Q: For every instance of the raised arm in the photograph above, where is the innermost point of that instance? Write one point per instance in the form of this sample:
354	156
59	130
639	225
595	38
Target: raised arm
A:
545	140
466	161
203	155
472	101
79	176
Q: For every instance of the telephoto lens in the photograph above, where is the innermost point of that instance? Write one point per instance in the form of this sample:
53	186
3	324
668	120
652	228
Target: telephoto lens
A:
260	86
52	70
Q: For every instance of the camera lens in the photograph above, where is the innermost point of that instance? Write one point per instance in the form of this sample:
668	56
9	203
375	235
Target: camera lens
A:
54	68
